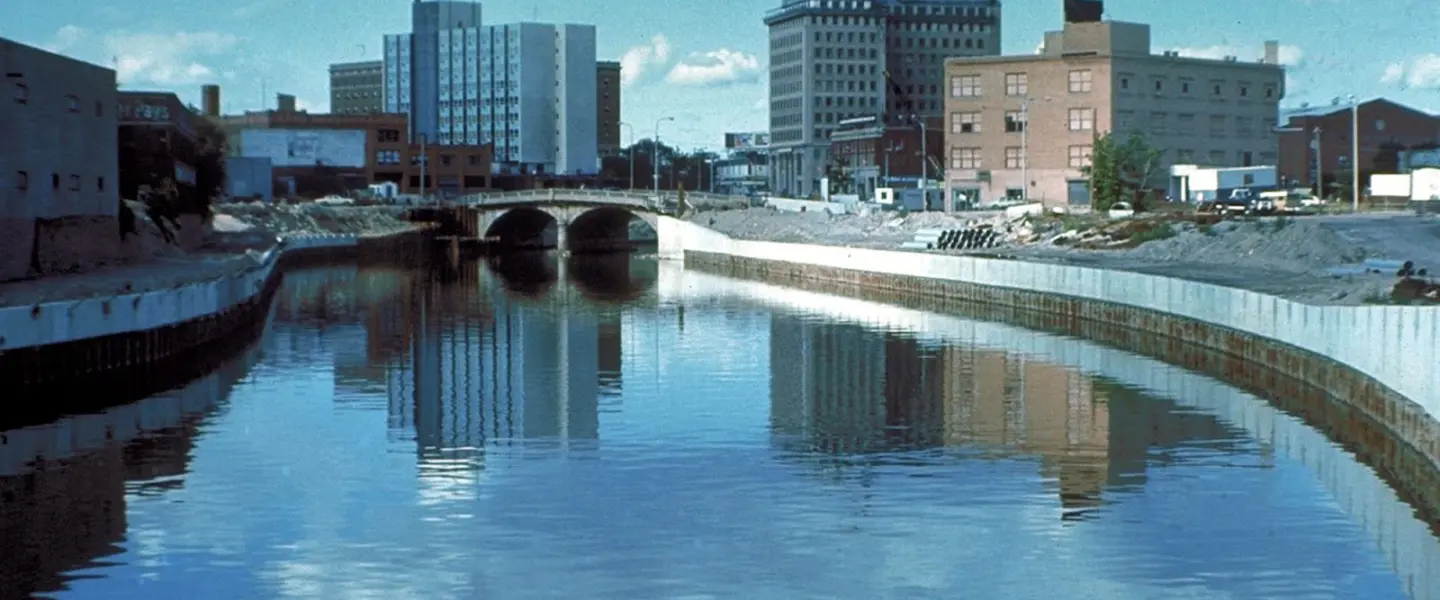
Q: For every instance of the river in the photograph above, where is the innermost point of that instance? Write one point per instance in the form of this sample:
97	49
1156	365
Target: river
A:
617	428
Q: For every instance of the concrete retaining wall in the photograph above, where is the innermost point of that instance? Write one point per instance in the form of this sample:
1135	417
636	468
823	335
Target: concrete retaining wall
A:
72	320
1394	346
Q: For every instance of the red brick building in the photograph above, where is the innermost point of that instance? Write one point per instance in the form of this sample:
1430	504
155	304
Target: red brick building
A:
870	151
1386	129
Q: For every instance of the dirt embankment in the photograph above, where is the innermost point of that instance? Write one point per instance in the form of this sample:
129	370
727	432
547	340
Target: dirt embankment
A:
309	218
1317	260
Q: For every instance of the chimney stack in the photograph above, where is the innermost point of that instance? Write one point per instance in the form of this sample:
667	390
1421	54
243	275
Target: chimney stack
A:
285	103
1272	52
210	100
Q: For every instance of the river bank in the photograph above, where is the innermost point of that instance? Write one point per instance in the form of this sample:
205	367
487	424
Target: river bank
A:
1313	260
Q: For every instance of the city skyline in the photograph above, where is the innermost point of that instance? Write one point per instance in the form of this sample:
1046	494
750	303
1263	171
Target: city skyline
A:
711	79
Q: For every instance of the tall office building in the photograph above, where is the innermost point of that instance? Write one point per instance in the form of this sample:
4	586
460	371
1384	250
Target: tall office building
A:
828	60
607	93
357	88
529	88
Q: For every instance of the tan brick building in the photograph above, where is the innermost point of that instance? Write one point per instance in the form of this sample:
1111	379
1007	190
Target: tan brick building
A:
1089	79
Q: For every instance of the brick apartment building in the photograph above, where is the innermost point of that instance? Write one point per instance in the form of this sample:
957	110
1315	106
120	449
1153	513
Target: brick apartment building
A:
58	166
1097	77
359	149
1386	129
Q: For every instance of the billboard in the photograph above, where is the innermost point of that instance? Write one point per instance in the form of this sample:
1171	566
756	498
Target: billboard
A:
747	141
344	148
1084	11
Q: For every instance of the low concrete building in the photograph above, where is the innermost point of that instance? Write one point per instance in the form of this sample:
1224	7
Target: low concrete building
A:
319	154
249	178
742	174
1097	77
58	165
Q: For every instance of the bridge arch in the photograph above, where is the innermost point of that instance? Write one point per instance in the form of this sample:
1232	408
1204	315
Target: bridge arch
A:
525	227
608	229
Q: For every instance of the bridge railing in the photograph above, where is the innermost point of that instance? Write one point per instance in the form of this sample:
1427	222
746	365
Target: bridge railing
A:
645	199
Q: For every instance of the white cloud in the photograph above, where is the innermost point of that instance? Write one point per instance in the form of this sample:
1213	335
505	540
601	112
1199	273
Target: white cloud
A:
640	61
164	59
718	67
1421	72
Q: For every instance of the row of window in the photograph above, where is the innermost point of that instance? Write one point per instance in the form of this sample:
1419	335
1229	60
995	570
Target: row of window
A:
1079	119
22	182
1217	88
392	157
1078	157
72	102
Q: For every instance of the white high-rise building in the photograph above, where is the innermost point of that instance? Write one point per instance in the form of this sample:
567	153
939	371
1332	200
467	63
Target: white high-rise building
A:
529	88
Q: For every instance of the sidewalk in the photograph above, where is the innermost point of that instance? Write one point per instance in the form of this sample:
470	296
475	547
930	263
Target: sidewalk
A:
154	274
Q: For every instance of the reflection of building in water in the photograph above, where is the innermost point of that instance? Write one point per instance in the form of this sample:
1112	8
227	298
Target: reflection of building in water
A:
63	495
844	389
610	352
524	370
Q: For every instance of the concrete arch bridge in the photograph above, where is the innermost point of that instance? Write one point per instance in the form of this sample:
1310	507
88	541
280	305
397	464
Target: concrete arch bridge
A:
576	220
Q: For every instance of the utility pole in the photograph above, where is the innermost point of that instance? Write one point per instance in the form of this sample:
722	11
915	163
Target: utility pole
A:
1025	151
655	152
1354	154
1319	167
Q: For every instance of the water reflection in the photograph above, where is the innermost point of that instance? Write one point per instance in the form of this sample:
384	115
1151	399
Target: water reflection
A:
408	434
65	487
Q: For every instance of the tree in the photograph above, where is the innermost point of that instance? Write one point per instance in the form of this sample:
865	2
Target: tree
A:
1121	171
209	166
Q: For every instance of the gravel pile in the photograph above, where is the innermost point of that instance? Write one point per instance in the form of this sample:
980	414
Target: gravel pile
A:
878	229
283	219
1279	244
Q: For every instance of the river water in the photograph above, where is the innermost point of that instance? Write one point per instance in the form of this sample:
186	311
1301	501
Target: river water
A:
615	429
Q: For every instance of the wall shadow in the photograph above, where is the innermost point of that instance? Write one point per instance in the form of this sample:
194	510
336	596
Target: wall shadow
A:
611	278
531	274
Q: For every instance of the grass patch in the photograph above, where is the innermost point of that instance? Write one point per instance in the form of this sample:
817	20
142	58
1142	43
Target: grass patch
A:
1163	231
1206	229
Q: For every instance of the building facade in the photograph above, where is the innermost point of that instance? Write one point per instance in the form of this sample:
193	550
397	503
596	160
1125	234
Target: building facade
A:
462	83
607	108
1089	79
873	155
829	60
157	141
1388	131
742	173
59	165
357	87
315	154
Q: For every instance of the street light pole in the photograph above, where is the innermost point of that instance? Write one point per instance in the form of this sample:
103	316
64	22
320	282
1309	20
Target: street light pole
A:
630	153
1354	154
655	152
1319	166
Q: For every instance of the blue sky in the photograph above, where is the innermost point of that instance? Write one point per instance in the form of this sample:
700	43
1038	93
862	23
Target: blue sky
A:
702	62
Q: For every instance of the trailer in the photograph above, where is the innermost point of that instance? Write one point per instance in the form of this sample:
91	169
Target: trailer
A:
1425	191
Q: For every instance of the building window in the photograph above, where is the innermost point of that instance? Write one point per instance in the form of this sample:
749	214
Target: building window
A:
1080	81
22	180
72	104
1082	119
1016	84
99	108
1079	156
965	86
1014	157
1015	121
1124	83
99	184
387	157
475	159
965	122
1184	87
1269	92
446	159
965	158
387	135
1215	90
54	181
1244	91
22	93
74	183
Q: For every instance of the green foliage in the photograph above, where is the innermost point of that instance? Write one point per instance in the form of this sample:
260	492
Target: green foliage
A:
1162	232
1120	171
